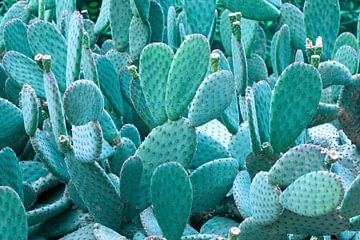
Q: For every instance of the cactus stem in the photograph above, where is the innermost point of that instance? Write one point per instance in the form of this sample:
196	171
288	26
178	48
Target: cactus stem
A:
41	9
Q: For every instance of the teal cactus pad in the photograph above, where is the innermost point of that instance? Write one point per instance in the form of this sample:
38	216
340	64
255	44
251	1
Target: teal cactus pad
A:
130	178
257	10
248	34
88	66
324	114
49	155
325	135
103	21
12	90
211	182
55	106
141	8
281	50
118	59
257	69
217	131
294	18
139	102
68	221
48	211
109	84
190	62
46	38
343	39
231	116
161	146
109	129
299	56
120	18
15	37
349	111
288	118
155	62
327	224
349	57
30	196
240	144
19	10
131	132
169	184
121	152
296	162
12	126
251	230
350	205
252	121
219	226
322	18
24	71
225	31
102	233
139	36
32	171
125	82
334	73
10	171
81	233
240	68
83	102
207	149
75	40
14	222
30	109
259	45
213	96
89	28
156	20
313	194
264	199
107	46
149	222
263	94
172	33
97	191
241	193
63	11
199	16
87	141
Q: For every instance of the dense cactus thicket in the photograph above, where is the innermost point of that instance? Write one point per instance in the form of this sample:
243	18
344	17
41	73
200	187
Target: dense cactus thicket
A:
168	120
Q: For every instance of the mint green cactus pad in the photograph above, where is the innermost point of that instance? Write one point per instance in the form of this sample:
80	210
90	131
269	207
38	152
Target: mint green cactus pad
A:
161	146
30	109
258	10
288	119
14	223
103	21
12	124
87	141
32	171
149	222
349	111
213	96
264	199
313	194
75	42
10	172
296	162
281	55
49	155
294	18
171	196
122	151
322	18
349	57
141	8
24	71
78	97
334	73
131	132
240	144
19	10
109	129
219	226
241	193
350	205
46	38
139	36
252	120
248	34
157	23
257	69
15	37
345	38
120	18
109	84
211	182
155	62
225	31
187	71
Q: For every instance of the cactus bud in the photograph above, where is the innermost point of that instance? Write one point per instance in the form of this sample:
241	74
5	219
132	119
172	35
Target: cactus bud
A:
86	40
235	17
309	48
41	9
236	30
38	60
214	62
234	233
46	62
315	60
318	46
133	71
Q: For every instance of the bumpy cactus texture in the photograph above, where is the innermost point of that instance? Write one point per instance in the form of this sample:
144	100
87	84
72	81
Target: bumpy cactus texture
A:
193	119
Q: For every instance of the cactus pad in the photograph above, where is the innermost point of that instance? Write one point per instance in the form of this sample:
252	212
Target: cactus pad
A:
120	18
30	109
15	37
77	99
350	205
241	193
313	194
334	73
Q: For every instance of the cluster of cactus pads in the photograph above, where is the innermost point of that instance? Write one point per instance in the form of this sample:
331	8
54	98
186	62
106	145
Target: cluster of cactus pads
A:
159	135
